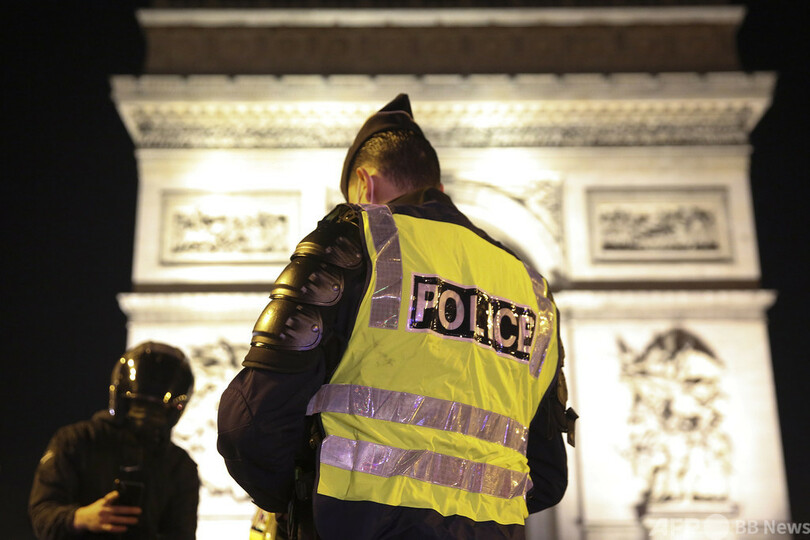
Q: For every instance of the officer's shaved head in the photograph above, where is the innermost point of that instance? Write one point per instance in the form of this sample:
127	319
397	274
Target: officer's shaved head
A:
406	159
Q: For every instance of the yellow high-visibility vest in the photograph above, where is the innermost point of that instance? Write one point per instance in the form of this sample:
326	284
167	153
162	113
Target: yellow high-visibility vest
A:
454	346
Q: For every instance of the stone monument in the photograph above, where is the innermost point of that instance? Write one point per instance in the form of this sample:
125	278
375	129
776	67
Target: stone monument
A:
628	191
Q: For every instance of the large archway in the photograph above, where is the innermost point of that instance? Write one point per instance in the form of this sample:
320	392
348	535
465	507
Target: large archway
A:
610	186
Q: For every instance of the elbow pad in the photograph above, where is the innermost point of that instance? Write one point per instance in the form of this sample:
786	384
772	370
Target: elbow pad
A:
288	325
310	284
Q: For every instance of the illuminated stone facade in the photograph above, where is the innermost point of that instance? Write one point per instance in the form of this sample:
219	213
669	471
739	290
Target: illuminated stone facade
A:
629	192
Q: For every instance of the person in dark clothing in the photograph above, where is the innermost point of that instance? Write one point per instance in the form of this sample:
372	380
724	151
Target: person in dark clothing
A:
407	361
118	475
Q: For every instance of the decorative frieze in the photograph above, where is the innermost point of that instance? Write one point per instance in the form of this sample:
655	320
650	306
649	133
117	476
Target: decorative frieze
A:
659	224
201	228
454	111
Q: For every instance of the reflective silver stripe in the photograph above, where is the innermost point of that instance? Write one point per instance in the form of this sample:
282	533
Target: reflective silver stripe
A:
424	465
416	410
387	295
544	325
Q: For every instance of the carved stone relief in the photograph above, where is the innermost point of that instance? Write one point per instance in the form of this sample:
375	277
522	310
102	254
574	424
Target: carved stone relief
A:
677	441
659	224
454	111
201	228
663	217
215	364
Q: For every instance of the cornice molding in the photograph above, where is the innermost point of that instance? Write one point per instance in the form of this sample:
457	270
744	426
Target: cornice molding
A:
454	111
191	307
711	304
361	18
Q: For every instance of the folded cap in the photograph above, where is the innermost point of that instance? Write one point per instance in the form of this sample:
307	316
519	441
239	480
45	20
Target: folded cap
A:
395	116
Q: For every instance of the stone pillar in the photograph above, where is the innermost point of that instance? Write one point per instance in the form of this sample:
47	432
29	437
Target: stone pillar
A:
679	434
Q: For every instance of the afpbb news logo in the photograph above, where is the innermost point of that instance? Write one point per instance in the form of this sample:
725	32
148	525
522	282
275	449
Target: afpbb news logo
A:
719	527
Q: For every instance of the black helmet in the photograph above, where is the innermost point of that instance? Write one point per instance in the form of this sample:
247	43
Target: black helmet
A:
152	372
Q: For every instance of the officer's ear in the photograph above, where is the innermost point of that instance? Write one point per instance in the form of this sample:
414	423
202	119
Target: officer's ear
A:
364	186
375	187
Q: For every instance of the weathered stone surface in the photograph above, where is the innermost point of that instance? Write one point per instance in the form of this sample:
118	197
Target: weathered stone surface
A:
440	41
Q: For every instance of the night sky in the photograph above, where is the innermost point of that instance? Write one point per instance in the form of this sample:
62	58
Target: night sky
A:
69	185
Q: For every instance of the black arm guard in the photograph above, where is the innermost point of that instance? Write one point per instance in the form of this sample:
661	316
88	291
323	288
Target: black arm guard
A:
308	287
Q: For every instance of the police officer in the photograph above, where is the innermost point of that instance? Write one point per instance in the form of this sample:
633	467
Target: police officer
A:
410	356
118	475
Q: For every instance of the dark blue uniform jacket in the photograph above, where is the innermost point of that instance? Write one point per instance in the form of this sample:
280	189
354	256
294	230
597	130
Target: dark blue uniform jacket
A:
263	433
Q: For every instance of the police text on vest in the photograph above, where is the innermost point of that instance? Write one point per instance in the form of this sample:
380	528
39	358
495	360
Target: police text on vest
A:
468	313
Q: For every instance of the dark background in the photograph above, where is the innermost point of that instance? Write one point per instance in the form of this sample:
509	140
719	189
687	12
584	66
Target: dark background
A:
69	186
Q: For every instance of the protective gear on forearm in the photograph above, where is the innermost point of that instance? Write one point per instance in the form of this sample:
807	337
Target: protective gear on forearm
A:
304	299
